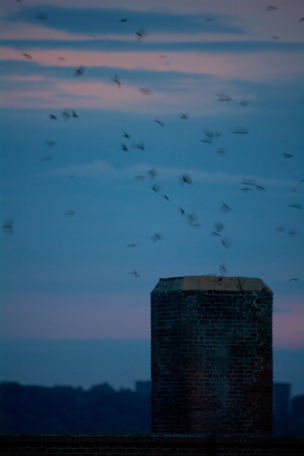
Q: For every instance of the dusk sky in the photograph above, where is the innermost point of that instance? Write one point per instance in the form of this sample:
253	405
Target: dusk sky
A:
145	139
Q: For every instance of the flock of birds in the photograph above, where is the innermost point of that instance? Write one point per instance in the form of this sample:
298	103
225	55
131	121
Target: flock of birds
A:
210	136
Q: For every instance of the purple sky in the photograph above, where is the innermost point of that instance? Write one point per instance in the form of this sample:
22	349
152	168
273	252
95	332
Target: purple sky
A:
66	270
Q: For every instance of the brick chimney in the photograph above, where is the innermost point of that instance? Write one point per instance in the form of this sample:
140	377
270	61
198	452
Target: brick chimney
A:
211	355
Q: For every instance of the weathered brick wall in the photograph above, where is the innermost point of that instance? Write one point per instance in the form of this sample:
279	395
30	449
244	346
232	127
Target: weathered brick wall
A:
149	444
211	356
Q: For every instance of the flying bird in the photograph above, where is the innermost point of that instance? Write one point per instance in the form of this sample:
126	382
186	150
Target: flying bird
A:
132	245
223	269
240	131
206	141
244	102
126	135
26	55
73	114
159	122
293	280
139	146
116	80
191	219
165	197
79	71
61	58
8	226
69	212
223	97
226	243
41	16
184	116
182	211
271	8
92	36
140	34
123	20
152	173
291	233
185	179
65	114
124	147
259	187
287	155
52	117
157	237
140	178
219	226
297	206
221	151
225	208
209	19
156	188
135	274
246	190
301	20
145	91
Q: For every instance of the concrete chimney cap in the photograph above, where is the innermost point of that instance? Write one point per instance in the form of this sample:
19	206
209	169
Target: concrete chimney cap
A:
207	283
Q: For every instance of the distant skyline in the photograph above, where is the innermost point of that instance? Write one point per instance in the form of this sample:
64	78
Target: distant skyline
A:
96	95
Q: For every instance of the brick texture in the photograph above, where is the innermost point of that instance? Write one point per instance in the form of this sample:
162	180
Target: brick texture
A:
211	356
151	444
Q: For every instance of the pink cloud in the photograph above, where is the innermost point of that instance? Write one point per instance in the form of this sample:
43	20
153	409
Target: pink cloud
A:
288	323
89	317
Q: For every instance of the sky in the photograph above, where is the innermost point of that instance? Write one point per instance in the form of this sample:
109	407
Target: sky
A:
170	117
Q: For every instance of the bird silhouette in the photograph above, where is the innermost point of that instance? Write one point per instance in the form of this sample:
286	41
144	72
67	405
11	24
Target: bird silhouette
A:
206	141
132	245
246	190
73	114
140	34
244	102
240	131
139	146
221	151
218	226
156	188
159	122
301	20
135	273
126	135
123	20
182	211
184	116
293	280
69	212
41	16
226	243
145	91
222	269
26	55
297	206
286	155
209	19
79	71
165	197
8	226
185	179
157	237
223	97
152	173
271	8
124	147
225	208
66	114
116	80
52	117
291	233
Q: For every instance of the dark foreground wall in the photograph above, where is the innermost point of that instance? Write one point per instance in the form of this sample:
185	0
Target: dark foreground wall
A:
150	444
